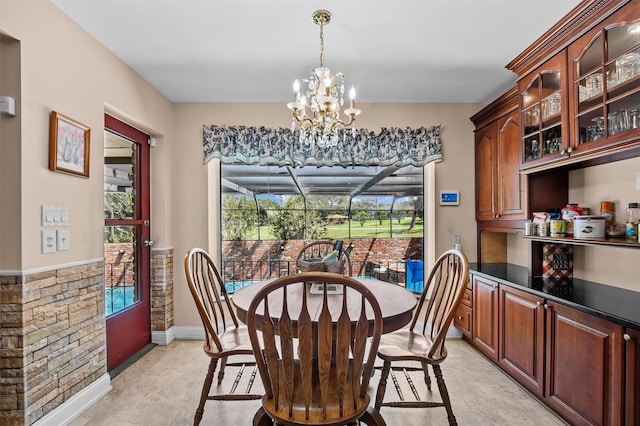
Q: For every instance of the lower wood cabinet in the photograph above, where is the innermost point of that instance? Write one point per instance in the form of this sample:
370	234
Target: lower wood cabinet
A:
584	368
485	316
573	361
463	320
632	375
522	338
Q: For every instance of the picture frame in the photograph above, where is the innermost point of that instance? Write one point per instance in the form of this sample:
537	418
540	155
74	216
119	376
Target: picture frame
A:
68	146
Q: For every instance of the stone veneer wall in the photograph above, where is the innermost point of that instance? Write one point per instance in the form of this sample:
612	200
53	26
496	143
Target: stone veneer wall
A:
52	339
161	289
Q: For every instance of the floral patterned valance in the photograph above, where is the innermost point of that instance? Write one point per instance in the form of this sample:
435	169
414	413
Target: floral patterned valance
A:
281	147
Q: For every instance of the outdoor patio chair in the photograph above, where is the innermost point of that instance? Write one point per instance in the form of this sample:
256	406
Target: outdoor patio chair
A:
425	342
319	249
221	341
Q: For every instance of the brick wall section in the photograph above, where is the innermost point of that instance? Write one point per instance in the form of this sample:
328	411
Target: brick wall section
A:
11	352
161	289
282	254
118	264
62	339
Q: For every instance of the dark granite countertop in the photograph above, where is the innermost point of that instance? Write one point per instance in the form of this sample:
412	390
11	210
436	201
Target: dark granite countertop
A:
614	304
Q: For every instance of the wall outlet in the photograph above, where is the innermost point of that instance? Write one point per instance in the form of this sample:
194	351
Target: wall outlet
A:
48	241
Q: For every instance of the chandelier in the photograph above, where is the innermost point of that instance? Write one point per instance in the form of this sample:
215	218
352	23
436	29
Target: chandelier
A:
316	109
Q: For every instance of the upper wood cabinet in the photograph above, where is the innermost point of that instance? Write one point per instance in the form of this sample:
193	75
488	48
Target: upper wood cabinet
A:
499	187
579	88
543	105
604	75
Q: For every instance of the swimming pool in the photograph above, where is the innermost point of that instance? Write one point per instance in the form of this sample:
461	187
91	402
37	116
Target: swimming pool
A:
118	298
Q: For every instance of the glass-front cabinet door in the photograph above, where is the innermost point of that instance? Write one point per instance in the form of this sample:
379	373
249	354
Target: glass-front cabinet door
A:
605	79
543	106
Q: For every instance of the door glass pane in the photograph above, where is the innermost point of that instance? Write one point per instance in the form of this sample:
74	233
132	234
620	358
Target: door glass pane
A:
119	200
120	236
121	289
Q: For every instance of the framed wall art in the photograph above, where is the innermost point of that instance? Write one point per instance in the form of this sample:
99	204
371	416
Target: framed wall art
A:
68	146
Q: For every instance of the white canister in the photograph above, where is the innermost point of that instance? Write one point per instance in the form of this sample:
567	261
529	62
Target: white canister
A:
588	226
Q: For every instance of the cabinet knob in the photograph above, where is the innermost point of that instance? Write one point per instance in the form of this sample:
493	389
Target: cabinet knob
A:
460	318
546	306
625	336
569	149
538	303
562	152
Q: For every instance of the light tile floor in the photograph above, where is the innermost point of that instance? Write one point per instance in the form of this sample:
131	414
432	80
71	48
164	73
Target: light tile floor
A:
163	388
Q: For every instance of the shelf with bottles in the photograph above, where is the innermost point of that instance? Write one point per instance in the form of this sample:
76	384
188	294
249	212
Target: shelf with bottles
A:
606	241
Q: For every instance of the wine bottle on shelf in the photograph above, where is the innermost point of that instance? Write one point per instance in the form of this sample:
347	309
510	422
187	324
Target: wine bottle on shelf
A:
338	247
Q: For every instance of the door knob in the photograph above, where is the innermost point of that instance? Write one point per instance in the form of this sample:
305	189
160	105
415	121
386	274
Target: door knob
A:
148	243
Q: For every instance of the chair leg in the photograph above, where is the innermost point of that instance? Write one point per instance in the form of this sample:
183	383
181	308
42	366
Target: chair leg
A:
223	364
382	386
427	378
261	418
206	387
444	394
372	417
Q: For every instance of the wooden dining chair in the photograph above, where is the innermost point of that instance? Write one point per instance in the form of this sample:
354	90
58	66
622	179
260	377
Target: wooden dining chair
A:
425	342
315	366
319	249
224	337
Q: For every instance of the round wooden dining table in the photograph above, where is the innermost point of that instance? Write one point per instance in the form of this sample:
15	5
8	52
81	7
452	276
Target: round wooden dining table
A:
396	303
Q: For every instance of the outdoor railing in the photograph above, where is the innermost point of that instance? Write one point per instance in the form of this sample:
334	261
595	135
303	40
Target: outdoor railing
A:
241	273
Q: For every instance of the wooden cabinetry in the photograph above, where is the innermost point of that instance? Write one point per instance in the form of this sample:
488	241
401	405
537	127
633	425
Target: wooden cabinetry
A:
632	374
499	194
571	360
604	75
522	343
543	103
485	316
584	367
581	106
463	319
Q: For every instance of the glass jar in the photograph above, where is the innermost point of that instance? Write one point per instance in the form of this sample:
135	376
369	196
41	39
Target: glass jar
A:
633	217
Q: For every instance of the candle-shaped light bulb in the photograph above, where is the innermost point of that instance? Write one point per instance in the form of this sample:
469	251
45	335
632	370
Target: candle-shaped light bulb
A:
296	91
352	96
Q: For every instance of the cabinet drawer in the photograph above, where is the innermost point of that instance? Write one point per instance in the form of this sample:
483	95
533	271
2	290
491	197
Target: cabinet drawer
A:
462	321
466	298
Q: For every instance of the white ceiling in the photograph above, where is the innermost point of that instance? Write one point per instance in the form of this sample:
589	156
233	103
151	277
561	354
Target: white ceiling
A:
252	50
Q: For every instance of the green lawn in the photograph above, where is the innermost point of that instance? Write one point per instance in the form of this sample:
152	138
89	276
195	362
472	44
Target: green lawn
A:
370	229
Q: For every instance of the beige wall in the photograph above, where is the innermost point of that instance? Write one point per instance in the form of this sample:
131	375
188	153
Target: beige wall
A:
194	227
588	187
615	182
65	70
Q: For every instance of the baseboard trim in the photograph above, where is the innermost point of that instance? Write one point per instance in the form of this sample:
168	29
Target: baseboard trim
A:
187	332
163	338
72	408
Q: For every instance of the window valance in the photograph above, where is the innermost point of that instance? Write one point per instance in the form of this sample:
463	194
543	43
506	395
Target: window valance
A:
281	147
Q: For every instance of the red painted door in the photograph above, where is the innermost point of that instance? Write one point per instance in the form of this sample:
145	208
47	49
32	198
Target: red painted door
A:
126	240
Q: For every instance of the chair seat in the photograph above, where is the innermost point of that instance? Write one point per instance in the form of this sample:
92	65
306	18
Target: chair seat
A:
407	345
350	414
234	341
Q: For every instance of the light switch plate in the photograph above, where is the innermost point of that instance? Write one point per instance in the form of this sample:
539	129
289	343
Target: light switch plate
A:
63	239
48	242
